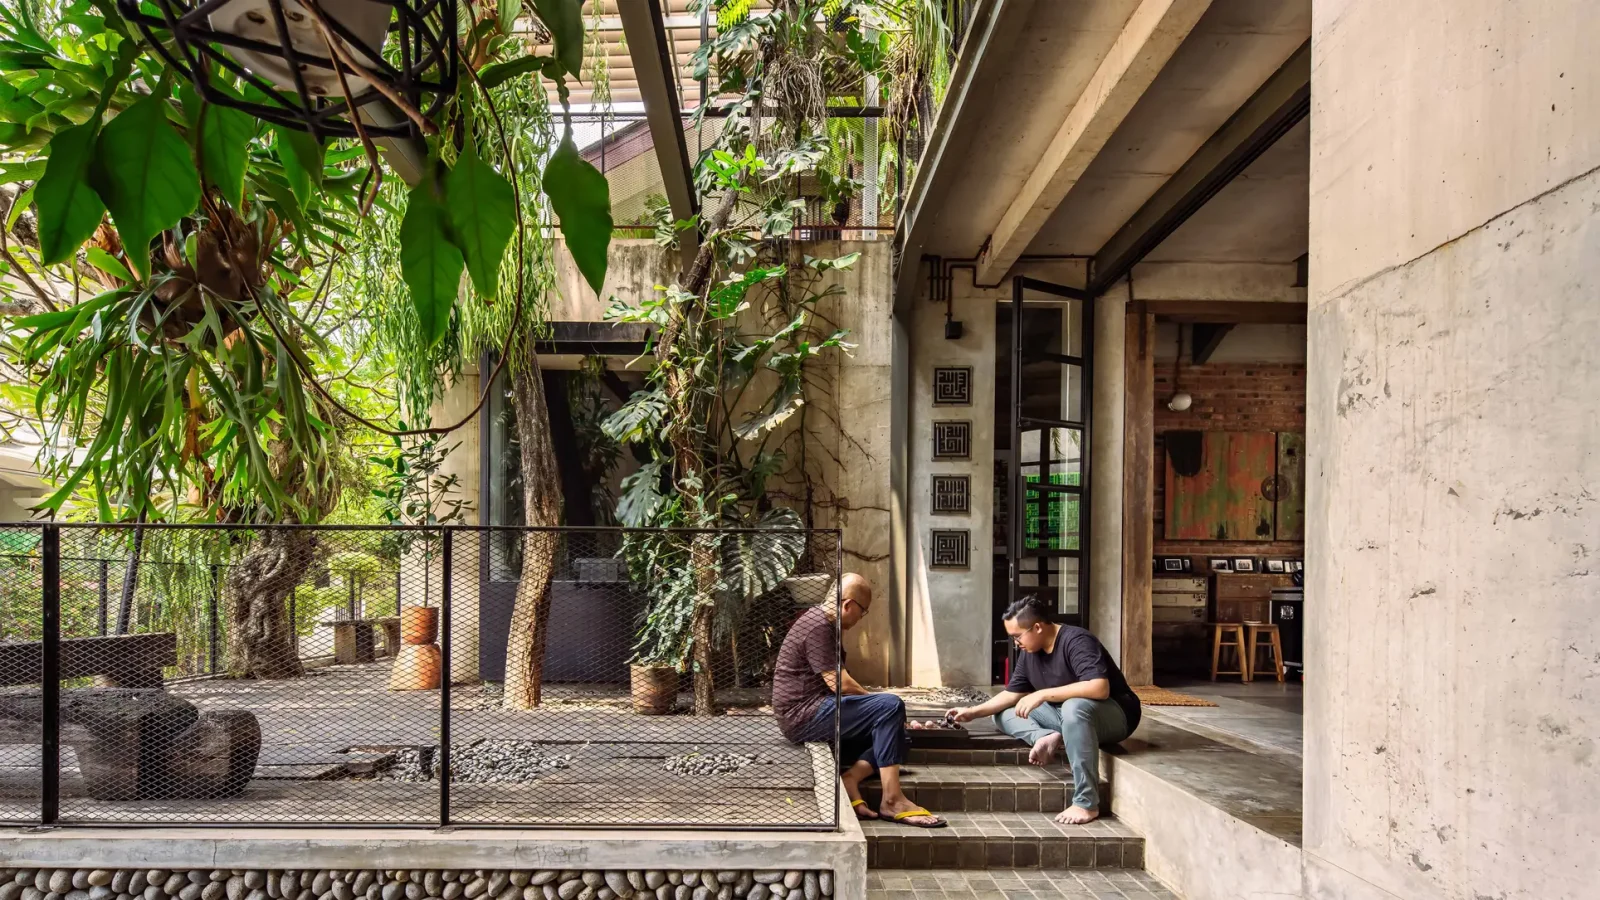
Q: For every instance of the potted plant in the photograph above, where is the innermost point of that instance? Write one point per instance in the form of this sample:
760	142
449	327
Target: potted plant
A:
415	491
660	560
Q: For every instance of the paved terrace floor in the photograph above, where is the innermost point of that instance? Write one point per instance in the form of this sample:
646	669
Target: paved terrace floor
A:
330	743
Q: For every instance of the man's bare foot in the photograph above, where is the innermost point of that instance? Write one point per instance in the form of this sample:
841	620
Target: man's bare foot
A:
891	808
1044	752
1077	815
852	789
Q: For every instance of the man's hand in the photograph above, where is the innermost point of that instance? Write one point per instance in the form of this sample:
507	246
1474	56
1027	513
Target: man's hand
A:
962	714
1030	703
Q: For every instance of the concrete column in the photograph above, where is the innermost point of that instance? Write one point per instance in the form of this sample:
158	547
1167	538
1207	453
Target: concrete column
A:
1453	518
1105	475
463	463
900	501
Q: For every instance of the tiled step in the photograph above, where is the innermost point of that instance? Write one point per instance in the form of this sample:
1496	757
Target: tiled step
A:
983	788
1027	840
1022	884
1001	751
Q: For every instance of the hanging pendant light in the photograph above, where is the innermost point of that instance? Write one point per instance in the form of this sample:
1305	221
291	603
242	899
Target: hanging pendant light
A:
281	49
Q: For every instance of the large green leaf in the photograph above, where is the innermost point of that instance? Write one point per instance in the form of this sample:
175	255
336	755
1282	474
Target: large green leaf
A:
145	175
301	156
430	264
222	142
501	72
483	217
564	18
581	197
69	208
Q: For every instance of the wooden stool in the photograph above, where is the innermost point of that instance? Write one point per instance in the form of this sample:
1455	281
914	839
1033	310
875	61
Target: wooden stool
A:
1255	630
1235	633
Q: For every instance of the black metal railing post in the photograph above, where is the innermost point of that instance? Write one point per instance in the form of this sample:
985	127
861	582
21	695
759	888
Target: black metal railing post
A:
211	618
838	667
104	614
447	563
50	681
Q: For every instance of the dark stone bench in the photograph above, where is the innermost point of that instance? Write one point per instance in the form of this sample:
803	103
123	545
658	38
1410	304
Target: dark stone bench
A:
143	744
122	661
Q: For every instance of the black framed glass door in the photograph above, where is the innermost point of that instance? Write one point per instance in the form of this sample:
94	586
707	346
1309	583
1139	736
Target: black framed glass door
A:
1047	523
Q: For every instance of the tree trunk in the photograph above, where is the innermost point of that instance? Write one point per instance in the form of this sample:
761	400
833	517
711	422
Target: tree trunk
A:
541	506
260	629
703	557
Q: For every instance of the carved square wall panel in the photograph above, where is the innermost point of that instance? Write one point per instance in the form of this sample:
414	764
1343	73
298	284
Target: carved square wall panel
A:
950	549
952	386
952	440
952	494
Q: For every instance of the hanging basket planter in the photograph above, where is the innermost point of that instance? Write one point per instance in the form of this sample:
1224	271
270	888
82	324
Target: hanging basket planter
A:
281	49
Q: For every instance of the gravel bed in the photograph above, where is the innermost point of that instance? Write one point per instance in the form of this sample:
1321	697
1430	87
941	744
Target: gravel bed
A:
481	762
708	763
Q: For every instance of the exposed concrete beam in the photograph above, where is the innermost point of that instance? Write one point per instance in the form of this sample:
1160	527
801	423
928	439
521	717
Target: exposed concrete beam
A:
646	33
1277	106
994	28
1148	40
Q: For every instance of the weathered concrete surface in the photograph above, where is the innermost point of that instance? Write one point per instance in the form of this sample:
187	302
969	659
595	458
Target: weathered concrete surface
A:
950	612
1455	441
843	852
1220	823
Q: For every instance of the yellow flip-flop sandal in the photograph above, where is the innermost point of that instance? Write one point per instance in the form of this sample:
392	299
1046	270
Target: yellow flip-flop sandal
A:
856	803
900	818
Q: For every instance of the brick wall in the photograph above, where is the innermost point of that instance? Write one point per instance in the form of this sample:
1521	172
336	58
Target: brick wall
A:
1227	397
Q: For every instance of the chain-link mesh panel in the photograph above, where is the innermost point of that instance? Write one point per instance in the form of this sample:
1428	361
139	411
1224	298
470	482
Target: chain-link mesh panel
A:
21	672
303	676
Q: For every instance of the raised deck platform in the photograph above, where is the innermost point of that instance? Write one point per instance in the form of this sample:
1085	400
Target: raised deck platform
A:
331	742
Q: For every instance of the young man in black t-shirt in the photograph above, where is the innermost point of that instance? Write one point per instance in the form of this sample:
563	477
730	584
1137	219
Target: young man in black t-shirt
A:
1065	693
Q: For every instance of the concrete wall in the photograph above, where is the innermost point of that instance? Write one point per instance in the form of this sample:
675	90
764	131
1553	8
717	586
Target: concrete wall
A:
1455	445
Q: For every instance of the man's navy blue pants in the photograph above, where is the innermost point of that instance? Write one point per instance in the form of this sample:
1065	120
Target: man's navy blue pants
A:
872	727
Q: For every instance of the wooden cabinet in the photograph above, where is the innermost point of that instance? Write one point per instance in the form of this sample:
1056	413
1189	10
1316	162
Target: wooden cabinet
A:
1245	598
1178	623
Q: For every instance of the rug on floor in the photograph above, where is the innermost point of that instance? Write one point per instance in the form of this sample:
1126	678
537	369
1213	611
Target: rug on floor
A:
1150	695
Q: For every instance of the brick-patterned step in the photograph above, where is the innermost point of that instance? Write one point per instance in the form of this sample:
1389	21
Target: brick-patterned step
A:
983	788
1021	884
976	840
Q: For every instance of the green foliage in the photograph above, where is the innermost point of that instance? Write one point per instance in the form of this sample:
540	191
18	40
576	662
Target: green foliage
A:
69	210
302	160
145	175
483	217
222	143
214	299
430	262
581	197
564	18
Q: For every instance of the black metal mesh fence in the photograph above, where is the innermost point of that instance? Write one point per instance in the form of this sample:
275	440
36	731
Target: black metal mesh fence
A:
407	676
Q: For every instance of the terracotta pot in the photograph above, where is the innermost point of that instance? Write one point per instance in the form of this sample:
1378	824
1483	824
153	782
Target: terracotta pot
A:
416	668
655	689
419	624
